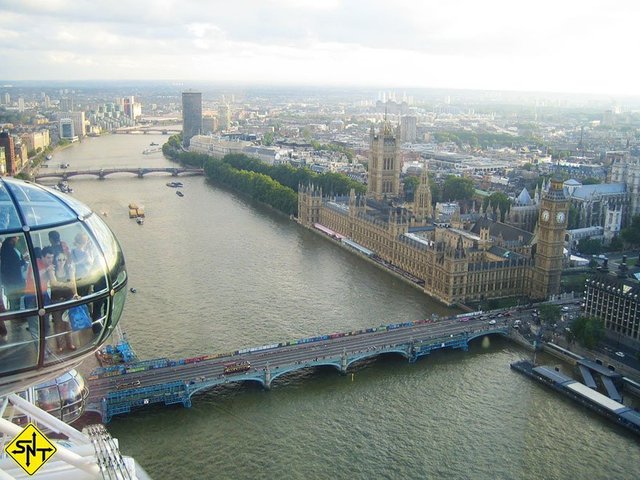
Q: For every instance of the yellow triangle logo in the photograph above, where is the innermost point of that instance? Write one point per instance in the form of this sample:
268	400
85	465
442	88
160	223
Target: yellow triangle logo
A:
30	449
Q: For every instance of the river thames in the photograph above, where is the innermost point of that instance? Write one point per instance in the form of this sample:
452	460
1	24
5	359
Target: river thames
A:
215	272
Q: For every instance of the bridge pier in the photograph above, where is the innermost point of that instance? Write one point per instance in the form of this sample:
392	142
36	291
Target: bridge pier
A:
267	378
344	363
412	354
140	173
106	418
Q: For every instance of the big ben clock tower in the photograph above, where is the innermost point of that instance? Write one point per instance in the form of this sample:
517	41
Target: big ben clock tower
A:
549	250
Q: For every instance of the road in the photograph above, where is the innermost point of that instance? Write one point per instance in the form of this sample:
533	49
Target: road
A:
295	354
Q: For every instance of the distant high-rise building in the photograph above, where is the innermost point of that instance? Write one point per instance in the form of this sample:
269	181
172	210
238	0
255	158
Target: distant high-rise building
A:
408	128
21	104
131	108
6	142
209	124
224	116
66	129
66	104
78	120
6	98
191	116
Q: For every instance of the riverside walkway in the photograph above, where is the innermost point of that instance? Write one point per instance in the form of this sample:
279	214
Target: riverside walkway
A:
119	389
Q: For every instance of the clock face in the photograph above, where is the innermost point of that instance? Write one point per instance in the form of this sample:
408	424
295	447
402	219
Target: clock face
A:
545	216
560	217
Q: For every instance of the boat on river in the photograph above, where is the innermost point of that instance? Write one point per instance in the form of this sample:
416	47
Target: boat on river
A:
179	193
135	211
174	184
64	187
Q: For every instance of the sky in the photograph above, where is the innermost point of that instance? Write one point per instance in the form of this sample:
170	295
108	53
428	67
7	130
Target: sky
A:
585	46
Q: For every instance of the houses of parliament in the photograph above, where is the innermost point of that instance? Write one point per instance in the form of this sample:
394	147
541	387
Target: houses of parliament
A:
456	264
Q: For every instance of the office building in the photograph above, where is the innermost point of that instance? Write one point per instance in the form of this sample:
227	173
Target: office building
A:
408	131
191	116
7	144
615	300
66	129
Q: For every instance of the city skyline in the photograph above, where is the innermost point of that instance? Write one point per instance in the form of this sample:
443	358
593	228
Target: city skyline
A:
549	47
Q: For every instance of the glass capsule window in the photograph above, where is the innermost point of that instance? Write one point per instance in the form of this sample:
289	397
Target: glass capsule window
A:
63	397
61	268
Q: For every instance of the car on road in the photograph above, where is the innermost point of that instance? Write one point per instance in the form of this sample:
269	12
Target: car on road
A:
133	384
492	322
620	354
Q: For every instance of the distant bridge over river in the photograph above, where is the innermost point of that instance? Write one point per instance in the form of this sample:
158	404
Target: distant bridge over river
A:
102	173
164	130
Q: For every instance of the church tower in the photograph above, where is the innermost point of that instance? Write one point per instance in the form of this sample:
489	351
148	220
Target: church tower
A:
552	224
384	163
422	198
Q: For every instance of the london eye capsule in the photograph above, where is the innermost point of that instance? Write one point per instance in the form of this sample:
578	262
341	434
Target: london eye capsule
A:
62	283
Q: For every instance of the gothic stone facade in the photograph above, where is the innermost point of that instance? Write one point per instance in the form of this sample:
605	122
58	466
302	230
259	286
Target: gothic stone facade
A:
456	266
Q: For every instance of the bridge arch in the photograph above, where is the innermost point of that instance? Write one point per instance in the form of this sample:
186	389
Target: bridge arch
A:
204	386
496	331
283	371
377	353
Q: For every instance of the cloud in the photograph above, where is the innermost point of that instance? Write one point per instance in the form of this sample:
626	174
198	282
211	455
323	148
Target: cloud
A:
546	44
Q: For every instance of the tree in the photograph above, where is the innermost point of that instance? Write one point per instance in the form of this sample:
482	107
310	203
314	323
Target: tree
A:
591	181
631	234
497	201
267	139
549	313
588	331
616	244
574	217
410	185
457	189
590	246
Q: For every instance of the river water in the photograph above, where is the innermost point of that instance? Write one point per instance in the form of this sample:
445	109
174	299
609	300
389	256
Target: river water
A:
215	272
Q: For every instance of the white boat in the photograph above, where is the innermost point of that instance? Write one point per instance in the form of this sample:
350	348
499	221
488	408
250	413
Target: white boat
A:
148	151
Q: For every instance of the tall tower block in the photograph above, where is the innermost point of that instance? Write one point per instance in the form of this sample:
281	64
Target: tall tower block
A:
552	224
384	163
191	116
